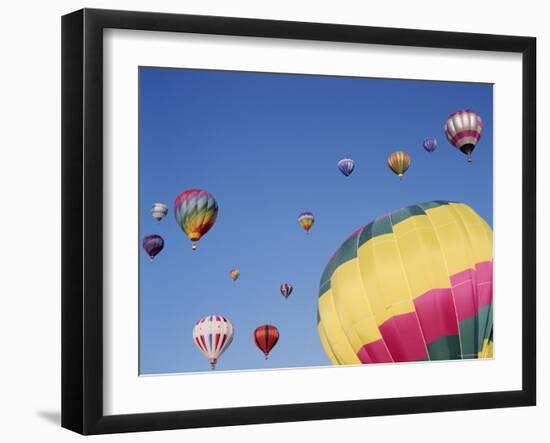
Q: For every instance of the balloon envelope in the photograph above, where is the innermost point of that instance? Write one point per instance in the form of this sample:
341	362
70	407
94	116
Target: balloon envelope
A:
306	220
159	211
429	144
234	274
463	130
415	284
399	162
196	211
213	335
346	166
153	244
286	289
266	337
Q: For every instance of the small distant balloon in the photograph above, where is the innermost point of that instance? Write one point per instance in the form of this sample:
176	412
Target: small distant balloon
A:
153	244
463	130
234	274
430	144
306	221
266	337
212	335
346	166
196	211
399	162
159	211
286	289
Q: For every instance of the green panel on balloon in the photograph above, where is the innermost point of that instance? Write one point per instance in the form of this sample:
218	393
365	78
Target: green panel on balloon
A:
485	321
469	337
445	348
405	213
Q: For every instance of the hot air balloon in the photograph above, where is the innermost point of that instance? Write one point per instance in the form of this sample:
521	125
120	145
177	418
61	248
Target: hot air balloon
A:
159	211
463	130
415	284
196	212
399	162
286	289
429	144
266	337
234	274
346	166
213	335
306	220
153	244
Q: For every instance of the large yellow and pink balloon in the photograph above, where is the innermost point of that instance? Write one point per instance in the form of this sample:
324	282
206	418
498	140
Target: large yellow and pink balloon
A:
415	284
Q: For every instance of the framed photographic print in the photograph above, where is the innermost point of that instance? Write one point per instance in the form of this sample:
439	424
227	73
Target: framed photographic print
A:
269	221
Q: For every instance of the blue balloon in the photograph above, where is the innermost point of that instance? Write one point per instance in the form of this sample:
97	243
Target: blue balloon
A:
430	144
346	166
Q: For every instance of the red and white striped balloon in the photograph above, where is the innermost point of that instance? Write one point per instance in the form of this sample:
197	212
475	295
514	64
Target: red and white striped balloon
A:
463	130
213	335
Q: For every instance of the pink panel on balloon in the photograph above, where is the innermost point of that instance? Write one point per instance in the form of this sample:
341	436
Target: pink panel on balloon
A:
404	338
437	314
374	352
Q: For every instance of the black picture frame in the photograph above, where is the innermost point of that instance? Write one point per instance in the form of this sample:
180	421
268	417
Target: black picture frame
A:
82	218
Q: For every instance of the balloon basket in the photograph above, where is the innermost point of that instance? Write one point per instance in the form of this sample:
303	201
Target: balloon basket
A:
194	246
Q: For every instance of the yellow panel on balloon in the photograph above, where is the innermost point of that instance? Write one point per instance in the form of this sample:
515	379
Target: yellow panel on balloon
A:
386	284
421	255
334	329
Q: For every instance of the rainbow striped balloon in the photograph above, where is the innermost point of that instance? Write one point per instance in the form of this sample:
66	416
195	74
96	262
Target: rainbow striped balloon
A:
415	284
196	212
153	244
399	162
463	130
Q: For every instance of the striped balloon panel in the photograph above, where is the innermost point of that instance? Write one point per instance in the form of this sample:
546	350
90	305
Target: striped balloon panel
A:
415	284
153	244
463	128
196	212
399	162
346	166
306	220
286	289
430	144
266	337
159	211
213	335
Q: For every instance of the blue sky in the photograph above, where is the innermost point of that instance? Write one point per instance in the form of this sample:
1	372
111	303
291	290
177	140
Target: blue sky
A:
266	146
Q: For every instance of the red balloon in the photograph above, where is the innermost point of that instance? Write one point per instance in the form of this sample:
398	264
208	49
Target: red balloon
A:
266	337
